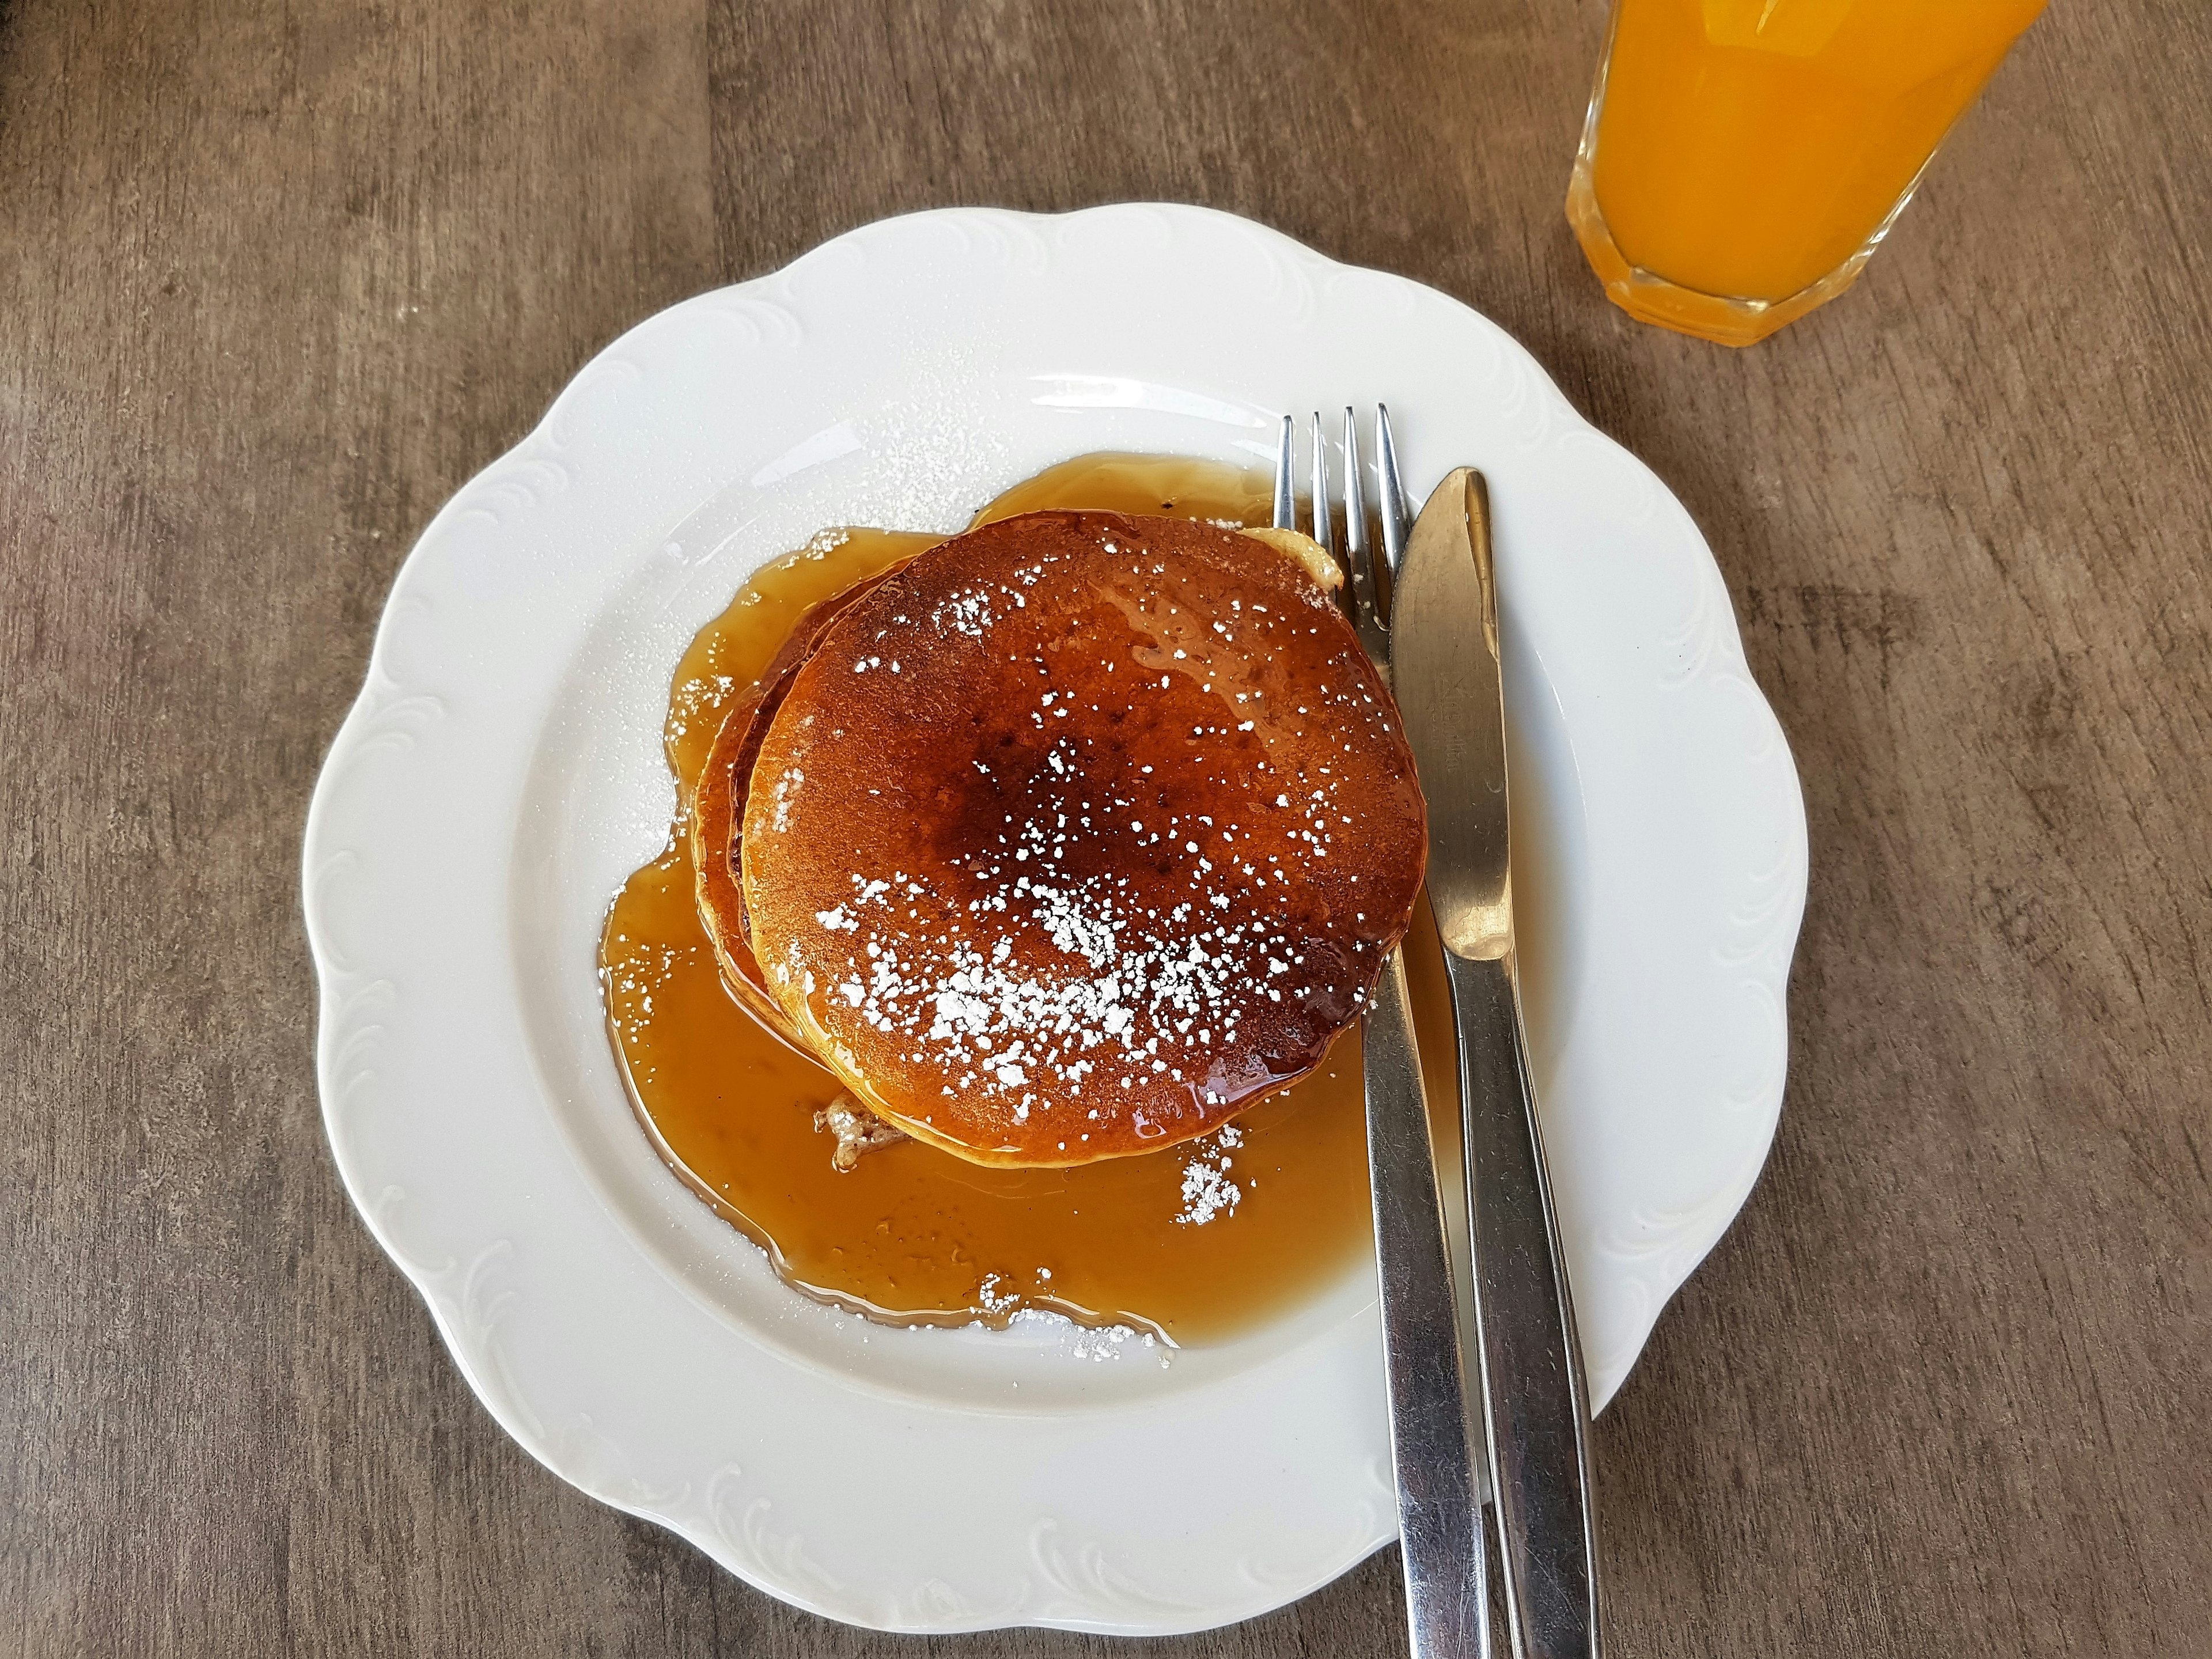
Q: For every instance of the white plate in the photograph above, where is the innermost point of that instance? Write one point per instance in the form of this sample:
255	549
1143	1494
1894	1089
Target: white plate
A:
501	774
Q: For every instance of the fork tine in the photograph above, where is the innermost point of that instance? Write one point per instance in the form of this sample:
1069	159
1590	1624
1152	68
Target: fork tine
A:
1324	530
1359	557
1355	501
1324	524
1286	506
1395	520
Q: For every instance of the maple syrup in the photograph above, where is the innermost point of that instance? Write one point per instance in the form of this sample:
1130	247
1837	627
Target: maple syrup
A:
1198	1243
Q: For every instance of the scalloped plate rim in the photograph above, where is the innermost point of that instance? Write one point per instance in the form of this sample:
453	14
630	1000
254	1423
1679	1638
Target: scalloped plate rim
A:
348	748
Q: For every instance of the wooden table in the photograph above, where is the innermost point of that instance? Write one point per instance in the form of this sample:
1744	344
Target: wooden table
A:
276	278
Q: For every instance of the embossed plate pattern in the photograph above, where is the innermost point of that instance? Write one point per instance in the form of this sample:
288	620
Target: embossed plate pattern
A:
500	774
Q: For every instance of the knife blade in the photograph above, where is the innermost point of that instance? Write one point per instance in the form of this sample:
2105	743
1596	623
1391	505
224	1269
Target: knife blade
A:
1450	686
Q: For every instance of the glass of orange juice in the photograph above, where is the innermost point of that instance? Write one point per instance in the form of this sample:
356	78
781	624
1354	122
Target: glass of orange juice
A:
1743	158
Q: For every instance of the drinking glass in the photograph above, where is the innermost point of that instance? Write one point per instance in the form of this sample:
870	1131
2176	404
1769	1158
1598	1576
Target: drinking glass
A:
1743	158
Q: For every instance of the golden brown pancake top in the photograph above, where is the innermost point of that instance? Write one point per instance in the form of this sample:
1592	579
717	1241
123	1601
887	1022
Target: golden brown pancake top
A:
1077	833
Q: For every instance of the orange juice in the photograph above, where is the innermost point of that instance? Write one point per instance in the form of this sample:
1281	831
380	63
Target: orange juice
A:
1749	153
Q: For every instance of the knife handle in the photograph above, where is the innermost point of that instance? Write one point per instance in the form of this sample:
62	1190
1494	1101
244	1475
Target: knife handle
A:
1535	1403
1439	1505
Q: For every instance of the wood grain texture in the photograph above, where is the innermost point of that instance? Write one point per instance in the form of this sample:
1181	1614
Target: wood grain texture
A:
276	278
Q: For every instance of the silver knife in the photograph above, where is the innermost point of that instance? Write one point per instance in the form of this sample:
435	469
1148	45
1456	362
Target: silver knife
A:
1444	651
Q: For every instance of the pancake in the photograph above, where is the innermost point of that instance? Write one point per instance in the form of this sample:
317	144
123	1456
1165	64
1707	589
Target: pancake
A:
1078	835
712	816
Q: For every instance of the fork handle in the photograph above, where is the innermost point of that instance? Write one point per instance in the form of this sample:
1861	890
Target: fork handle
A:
1439	1505
1535	1403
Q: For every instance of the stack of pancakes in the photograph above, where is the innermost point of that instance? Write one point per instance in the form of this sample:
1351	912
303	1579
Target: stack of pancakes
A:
1066	840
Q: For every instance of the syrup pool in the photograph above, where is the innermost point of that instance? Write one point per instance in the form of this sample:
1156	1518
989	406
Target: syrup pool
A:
1197	1243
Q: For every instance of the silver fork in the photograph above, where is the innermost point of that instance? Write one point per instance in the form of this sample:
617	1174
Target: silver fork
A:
1439	1488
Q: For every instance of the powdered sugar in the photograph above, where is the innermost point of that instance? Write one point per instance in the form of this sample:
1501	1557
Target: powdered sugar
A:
1143	988
1207	1191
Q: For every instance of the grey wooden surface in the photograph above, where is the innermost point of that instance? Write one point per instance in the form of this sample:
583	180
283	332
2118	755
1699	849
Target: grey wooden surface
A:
276	277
